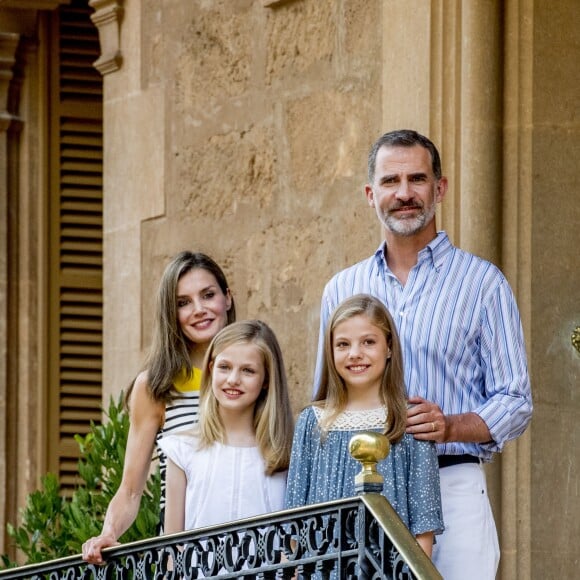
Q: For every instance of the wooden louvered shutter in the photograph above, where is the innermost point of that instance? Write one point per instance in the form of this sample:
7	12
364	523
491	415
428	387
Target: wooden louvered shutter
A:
76	238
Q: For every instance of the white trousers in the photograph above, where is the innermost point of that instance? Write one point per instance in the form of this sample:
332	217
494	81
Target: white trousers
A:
468	548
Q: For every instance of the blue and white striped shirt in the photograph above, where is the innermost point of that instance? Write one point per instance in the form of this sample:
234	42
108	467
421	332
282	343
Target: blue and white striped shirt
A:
460	333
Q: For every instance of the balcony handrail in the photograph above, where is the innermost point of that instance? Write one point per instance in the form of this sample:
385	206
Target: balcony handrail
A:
356	538
313	551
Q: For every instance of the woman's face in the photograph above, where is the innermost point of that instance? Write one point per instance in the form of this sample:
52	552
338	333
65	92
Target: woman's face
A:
202	307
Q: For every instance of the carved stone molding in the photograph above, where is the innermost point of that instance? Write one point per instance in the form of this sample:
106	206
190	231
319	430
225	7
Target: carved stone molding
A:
8	47
272	3
107	18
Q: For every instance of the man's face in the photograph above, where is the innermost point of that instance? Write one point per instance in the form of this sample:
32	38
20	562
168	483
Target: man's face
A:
405	191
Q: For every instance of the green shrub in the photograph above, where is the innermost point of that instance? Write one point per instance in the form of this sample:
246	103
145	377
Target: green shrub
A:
54	526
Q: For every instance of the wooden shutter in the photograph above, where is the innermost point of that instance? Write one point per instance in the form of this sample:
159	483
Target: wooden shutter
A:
76	238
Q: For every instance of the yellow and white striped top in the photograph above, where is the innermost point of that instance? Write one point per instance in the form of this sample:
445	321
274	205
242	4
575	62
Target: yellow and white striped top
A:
180	414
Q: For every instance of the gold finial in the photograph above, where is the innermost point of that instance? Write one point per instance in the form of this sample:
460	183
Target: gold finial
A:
369	448
576	338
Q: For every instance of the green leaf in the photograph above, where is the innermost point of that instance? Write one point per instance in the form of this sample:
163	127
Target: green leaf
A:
53	526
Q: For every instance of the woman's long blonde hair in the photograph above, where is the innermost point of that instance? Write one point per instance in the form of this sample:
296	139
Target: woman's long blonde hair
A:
273	419
333	395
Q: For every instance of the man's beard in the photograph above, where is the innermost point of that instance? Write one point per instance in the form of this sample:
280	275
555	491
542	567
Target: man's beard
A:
408	226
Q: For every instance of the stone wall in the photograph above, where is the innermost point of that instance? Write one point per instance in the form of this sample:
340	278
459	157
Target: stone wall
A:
263	118
555	304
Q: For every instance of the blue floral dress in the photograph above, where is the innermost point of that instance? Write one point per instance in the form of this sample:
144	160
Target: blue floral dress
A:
323	469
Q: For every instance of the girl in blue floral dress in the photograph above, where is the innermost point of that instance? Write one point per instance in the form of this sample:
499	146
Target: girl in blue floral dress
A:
362	389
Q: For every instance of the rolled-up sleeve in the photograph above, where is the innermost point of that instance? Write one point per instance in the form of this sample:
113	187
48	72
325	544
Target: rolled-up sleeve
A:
508	409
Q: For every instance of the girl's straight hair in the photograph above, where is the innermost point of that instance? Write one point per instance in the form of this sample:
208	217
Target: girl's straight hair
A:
333	395
273	419
170	351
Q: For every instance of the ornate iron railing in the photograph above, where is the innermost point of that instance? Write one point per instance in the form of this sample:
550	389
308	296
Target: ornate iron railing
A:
356	538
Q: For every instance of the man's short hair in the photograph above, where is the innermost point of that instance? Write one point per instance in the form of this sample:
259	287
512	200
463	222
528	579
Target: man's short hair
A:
403	138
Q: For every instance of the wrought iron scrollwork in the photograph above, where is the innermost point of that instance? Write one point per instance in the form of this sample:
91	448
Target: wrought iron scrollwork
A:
340	539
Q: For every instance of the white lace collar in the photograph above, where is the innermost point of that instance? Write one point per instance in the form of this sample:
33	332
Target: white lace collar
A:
356	420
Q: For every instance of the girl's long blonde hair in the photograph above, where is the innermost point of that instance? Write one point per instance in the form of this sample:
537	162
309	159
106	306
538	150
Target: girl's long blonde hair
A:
273	419
333	396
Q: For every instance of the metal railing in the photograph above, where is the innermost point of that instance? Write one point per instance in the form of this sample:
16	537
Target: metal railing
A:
357	538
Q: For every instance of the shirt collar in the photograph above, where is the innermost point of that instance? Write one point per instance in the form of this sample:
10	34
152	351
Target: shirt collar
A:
436	251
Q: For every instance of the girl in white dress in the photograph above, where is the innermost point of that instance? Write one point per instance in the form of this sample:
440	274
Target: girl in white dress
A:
233	464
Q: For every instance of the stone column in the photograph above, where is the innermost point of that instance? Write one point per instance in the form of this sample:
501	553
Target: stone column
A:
480	129
8	46
21	330
445	63
516	259
133	179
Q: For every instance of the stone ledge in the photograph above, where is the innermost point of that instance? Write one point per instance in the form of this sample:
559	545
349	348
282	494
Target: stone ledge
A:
32	4
272	3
